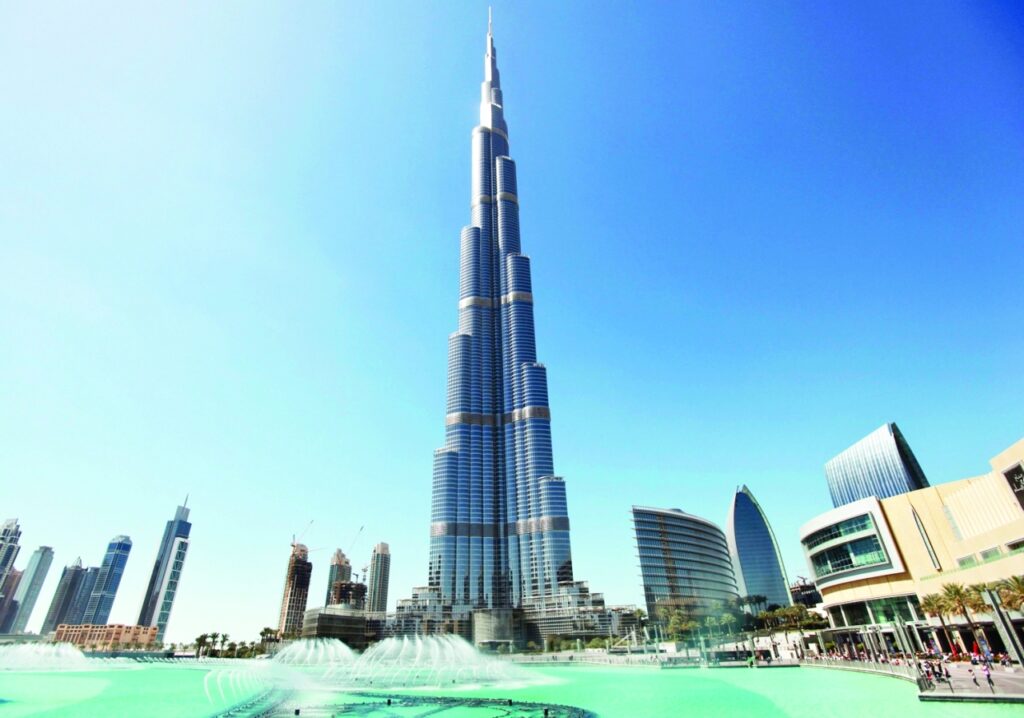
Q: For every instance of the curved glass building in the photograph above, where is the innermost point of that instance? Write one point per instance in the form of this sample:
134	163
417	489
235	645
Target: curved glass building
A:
499	525
755	553
684	561
880	465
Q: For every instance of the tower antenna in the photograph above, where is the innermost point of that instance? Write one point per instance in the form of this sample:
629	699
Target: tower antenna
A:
490	26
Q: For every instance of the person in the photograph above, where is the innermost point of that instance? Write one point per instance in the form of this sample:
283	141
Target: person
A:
987	672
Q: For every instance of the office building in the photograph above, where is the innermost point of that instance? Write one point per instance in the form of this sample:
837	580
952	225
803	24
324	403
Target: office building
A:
756	560
684	563
77	609
880	465
340	570
163	581
63	597
31	584
380	569
296	592
103	637
97	611
873	560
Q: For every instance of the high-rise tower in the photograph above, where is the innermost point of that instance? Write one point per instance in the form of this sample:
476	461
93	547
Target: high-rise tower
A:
296	591
881	465
340	570
500	527
756	559
10	532
31	584
163	582
380	572
63	597
97	611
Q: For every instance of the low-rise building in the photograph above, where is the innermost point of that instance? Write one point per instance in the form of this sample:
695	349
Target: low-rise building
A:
873	560
105	637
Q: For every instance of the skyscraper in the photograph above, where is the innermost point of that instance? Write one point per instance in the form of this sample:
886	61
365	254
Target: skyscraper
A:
163	582
380	570
755	554
8	608
296	591
881	465
63	597
499	535
97	611
31	584
684	562
10	532
78	606
340	570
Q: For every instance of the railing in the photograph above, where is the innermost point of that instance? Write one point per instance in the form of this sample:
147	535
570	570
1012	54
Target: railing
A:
904	670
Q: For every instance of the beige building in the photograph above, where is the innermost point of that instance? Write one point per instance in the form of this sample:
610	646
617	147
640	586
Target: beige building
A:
106	637
873	560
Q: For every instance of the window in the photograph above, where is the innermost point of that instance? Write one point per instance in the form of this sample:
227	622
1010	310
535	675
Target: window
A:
863	552
843	528
967	561
990	554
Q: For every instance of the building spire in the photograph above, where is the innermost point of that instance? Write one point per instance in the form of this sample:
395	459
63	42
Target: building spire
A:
490	22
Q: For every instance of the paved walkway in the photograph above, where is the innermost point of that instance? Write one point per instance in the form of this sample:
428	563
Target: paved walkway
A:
961	678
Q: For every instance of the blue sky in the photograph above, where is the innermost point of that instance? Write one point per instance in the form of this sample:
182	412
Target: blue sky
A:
229	257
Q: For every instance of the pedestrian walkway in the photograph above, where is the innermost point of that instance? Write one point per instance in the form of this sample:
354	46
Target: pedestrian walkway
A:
962	681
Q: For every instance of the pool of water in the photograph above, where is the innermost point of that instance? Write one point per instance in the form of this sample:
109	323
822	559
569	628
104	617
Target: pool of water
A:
568	692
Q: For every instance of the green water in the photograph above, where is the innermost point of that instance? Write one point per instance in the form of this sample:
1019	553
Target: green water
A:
172	692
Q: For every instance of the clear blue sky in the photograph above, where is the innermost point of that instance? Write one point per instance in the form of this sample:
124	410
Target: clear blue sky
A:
229	257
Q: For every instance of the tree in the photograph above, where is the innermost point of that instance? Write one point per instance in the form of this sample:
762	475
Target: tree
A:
1011	593
223	639
201	643
233	647
726	620
934	605
963	600
213	640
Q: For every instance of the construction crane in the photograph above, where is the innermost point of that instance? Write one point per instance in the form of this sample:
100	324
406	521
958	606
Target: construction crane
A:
297	539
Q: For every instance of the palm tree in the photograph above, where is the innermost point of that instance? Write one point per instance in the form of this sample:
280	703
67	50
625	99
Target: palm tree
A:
223	639
726	622
964	600
935	605
1011	593
201	641
213	640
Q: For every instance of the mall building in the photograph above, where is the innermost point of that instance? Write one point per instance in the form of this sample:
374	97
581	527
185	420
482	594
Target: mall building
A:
874	559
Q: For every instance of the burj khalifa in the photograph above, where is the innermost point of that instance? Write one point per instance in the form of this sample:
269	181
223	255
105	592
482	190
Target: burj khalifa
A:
499	523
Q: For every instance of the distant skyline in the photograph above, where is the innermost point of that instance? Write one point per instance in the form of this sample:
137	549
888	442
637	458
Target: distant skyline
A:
229	257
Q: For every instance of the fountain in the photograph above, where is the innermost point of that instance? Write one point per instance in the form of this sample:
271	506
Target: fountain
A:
315	652
42	657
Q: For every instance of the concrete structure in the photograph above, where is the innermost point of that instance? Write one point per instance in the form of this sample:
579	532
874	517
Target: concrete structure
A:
756	560
348	594
874	559
296	592
166	574
28	589
106	637
881	465
63	597
804	592
684	562
380	572
342	622
108	579
340	570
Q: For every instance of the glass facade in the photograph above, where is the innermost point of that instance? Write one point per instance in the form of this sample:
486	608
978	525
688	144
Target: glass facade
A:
848	527
499	521
881	464
380	572
755	553
163	581
108	578
878	611
63	597
31	584
684	561
859	553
